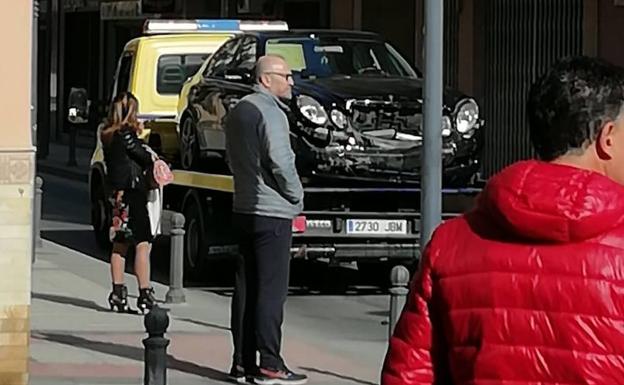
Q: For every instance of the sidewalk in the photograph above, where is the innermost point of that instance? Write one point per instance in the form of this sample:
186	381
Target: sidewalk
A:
56	162
75	339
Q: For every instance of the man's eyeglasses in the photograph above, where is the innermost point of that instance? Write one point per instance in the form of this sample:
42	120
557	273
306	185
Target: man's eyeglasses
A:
285	76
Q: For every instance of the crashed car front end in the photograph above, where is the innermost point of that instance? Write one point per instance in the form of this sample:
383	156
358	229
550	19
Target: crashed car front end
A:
381	140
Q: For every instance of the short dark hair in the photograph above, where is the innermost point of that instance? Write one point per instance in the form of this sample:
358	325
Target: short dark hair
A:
569	104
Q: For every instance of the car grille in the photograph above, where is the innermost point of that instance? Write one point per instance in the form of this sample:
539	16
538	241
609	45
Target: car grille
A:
382	118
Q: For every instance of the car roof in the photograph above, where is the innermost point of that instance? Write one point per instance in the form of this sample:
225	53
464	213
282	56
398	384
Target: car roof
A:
345	33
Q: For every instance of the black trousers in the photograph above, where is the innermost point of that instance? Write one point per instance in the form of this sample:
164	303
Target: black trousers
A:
261	289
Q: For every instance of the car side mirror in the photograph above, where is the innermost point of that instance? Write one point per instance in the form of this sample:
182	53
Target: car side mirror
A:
78	106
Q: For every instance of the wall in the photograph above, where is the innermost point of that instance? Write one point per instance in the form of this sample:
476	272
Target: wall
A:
394	20
519	41
342	14
466	47
610	32
201	9
16	192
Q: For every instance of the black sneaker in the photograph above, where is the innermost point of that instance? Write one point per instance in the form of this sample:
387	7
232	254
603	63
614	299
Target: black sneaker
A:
237	374
279	376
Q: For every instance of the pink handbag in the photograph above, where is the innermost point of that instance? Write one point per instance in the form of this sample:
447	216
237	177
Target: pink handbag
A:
162	174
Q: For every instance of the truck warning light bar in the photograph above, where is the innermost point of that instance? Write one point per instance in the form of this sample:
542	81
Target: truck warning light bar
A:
161	26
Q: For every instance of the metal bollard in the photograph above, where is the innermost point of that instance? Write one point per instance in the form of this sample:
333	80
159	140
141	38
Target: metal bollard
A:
176	266
156	323
38	198
399	277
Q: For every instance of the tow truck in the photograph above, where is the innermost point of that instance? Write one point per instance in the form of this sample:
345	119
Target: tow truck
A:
371	221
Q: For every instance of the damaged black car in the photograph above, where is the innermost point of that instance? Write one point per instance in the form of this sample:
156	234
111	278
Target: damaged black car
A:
356	111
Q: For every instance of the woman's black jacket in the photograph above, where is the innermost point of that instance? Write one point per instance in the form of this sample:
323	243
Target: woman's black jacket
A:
126	159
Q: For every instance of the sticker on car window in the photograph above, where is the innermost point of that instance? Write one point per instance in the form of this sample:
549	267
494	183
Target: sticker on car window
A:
328	49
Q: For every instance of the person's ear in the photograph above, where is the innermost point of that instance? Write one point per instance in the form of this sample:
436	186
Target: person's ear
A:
606	141
265	80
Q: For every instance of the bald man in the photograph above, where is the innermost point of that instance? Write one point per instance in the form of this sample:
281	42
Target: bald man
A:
273	74
267	196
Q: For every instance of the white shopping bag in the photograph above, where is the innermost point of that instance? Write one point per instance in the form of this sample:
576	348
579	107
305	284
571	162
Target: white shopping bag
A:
154	209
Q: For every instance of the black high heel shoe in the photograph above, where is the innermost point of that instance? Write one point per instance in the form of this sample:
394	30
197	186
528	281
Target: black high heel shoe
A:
146	299
118	299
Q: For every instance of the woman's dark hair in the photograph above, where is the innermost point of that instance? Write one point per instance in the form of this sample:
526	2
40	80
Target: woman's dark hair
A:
569	105
122	113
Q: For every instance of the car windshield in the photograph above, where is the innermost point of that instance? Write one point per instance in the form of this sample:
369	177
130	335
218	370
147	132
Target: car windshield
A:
336	56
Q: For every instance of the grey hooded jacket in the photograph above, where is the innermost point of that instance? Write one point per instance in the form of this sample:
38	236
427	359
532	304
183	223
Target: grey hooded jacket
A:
257	141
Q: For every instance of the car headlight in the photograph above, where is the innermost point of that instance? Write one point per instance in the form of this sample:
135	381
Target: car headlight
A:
312	109
446	126
467	116
338	118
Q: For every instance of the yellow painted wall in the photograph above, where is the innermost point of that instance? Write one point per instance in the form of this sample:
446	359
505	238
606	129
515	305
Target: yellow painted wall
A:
15	35
16	190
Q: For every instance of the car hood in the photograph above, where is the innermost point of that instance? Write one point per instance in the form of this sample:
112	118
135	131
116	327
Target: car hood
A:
339	89
365	149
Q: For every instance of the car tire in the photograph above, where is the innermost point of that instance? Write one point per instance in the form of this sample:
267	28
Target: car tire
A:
189	146
101	214
194	235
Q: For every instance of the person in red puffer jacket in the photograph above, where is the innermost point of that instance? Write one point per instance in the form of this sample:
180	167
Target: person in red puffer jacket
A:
528	287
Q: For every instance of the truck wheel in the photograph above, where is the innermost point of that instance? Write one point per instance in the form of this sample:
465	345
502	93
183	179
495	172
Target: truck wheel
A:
101	214
189	147
193	239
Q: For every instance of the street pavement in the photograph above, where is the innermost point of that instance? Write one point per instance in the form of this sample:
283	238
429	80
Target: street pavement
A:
75	339
334	339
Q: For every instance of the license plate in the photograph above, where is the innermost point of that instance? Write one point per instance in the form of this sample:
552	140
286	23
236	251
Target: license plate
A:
376	226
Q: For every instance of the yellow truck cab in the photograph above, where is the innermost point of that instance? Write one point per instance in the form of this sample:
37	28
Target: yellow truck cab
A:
154	68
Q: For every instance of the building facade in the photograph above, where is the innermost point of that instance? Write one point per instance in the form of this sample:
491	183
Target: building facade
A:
17	166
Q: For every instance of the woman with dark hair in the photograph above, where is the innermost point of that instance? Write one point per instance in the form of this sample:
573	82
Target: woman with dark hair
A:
126	158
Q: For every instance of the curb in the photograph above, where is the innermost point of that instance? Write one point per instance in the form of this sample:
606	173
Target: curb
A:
62	172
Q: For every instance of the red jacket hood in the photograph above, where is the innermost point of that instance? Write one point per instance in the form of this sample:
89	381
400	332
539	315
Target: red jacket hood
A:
552	203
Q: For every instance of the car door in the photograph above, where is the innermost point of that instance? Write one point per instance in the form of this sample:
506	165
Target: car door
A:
207	98
240	77
236	82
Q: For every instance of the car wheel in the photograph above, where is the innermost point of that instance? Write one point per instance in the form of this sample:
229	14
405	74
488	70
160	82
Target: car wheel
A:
189	147
101	214
194	234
